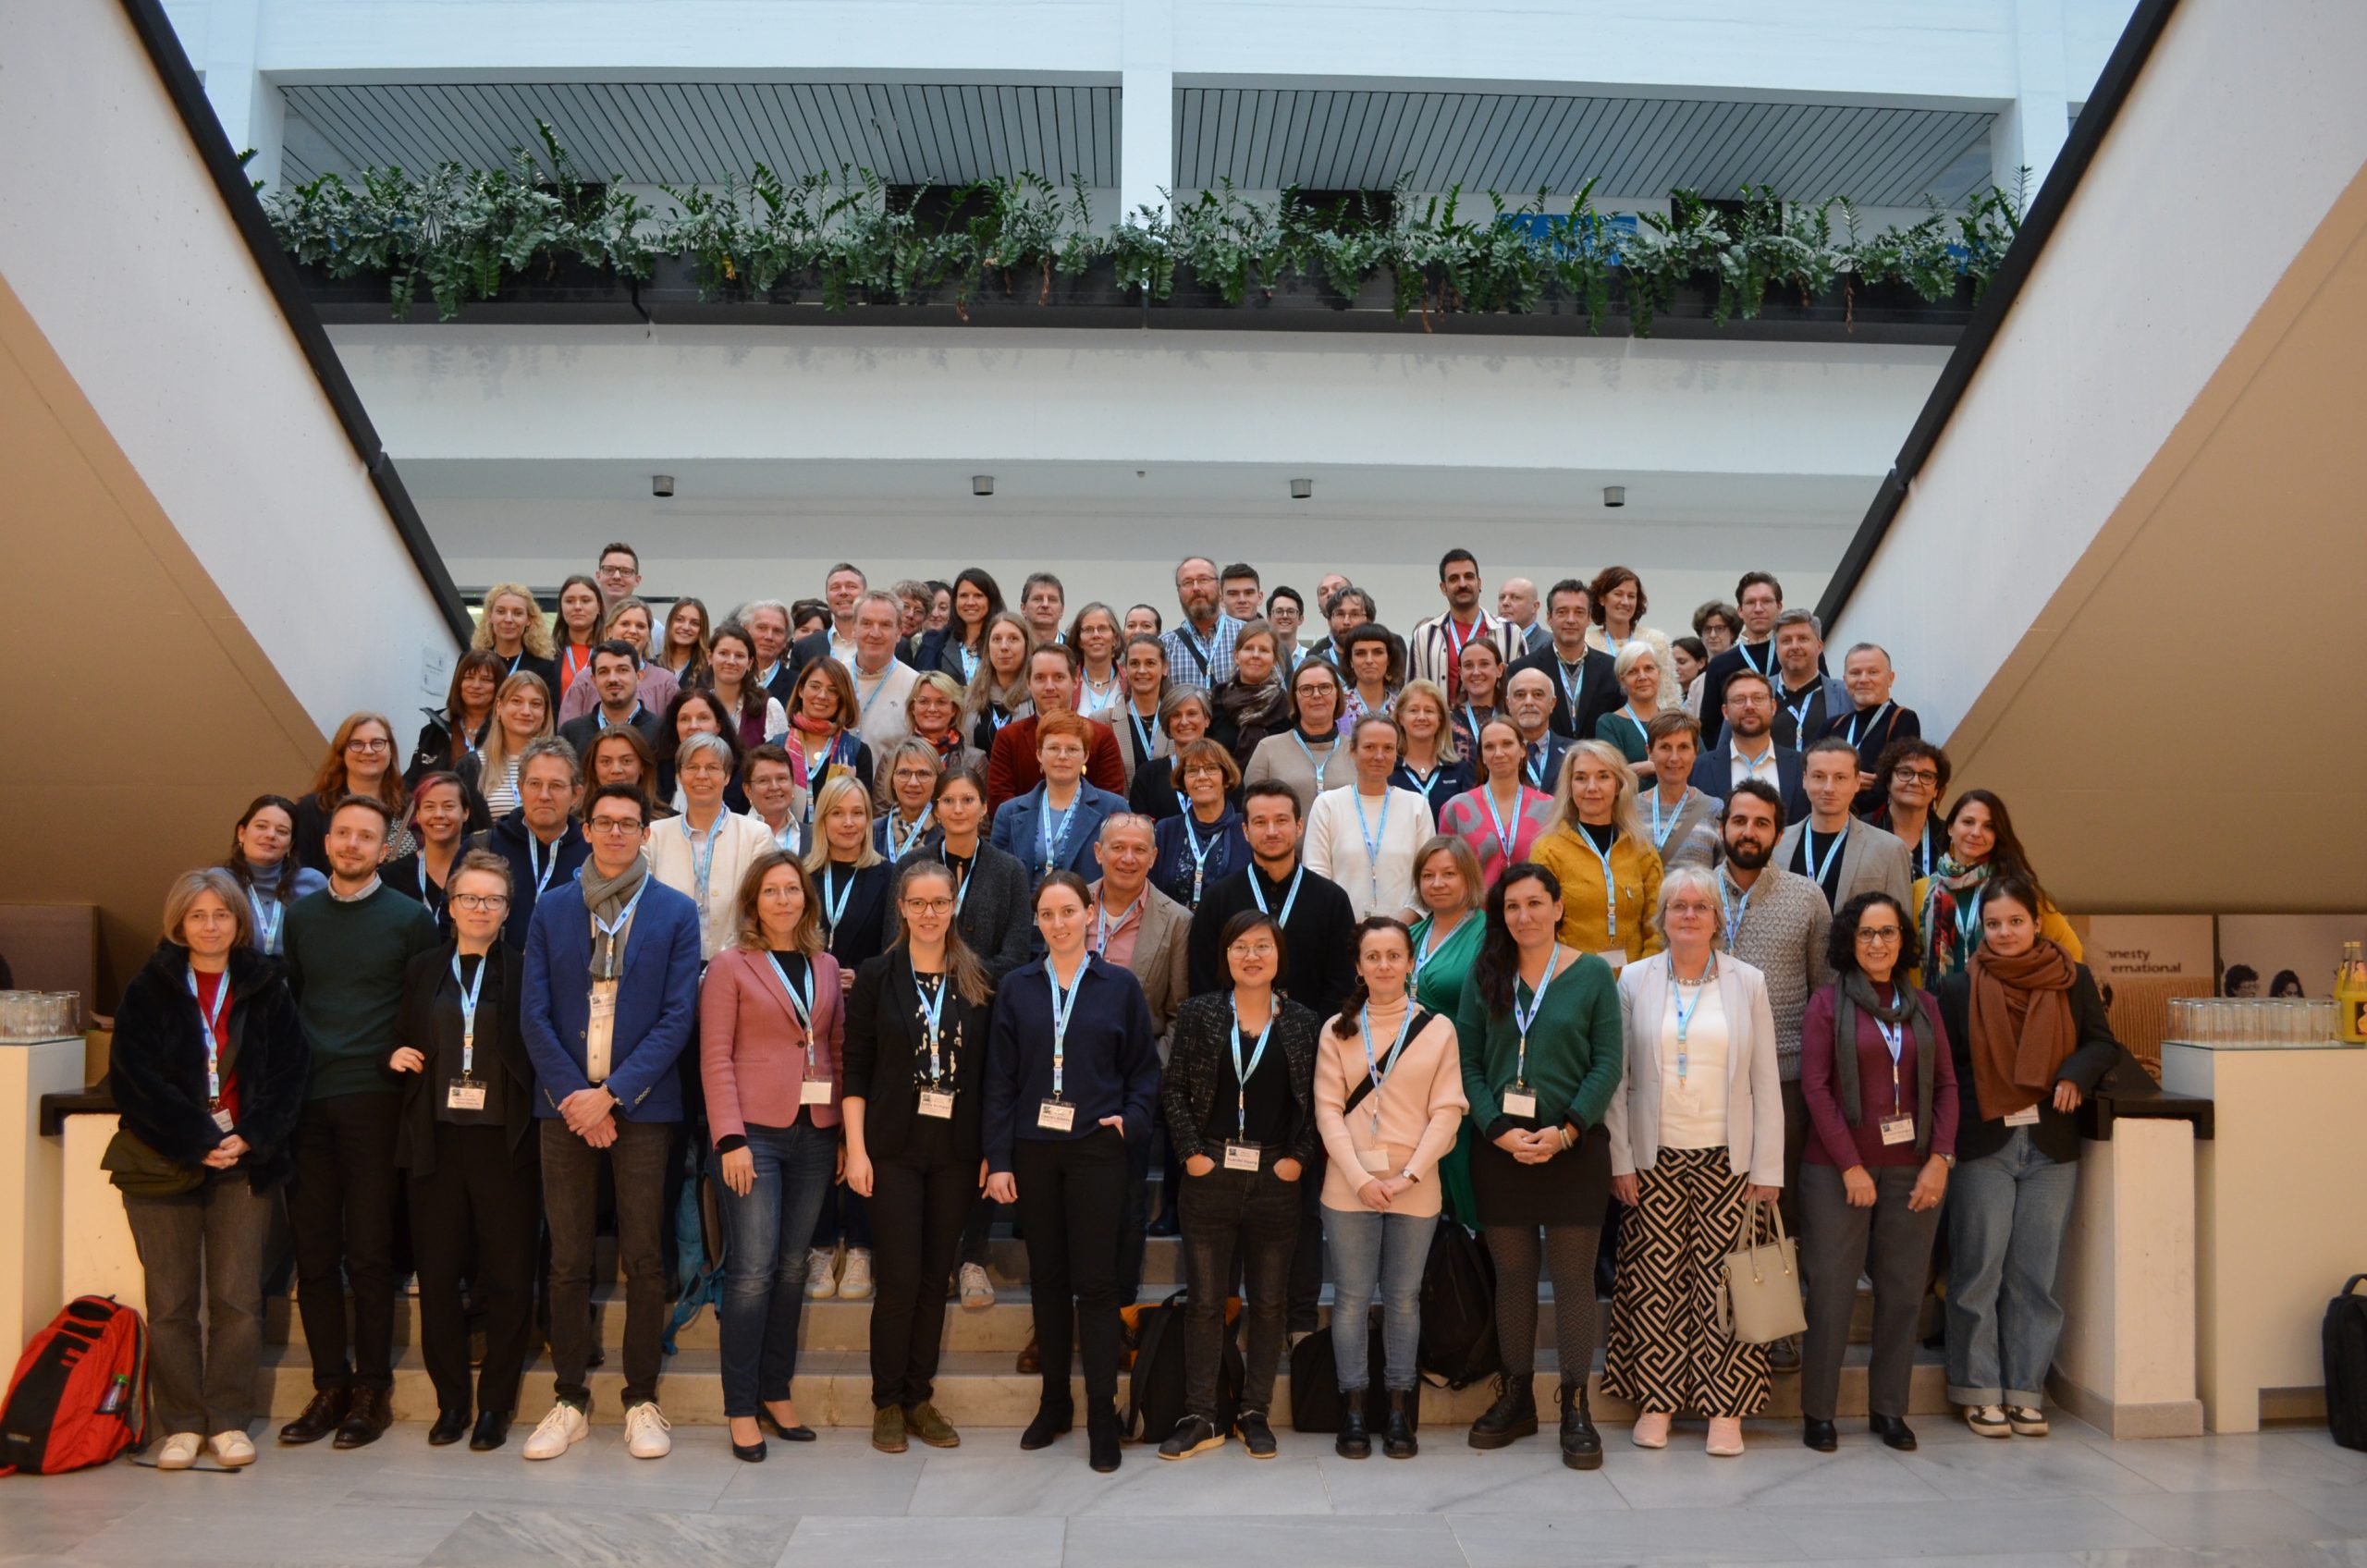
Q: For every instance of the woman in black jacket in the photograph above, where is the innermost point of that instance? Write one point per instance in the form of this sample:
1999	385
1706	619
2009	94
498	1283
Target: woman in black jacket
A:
455	730
1246	1137
208	1074
468	1138
915	1038
2031	1040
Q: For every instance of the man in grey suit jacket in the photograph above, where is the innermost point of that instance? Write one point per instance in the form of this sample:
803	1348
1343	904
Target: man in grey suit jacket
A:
1843	855
1134	923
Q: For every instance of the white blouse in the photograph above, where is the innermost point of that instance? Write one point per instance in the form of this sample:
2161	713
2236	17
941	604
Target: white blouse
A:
1693	1108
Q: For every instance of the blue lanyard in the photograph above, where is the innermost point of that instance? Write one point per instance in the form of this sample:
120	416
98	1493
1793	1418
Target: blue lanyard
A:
1313	766
834	903
534	863
1103	927
1063	1004
1628	712
1148	738
969	658
932	1019
862	709
1769	668
702	859
1536	768
1097	697
1684	1013
1610	880
602	714
1055	840
1870	723
1660	833
888	824
1205	651
1524	1017
1378	1072
608	930
211	1029
1570	683
1200	851
1432	939
469	994
1471	719
1504	839
1732	910
1259	893
1894	1036
1808	851
1968	921
1753	765
1800	713
800	1002
1424	783
1372	836
1241	1075
513	661
269	912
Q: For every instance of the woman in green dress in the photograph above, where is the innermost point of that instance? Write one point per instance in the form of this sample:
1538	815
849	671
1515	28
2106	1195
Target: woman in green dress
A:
1448	886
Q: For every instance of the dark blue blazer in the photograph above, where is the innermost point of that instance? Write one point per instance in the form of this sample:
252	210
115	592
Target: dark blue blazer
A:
1109	1066
1018	831
657	1001
1713	774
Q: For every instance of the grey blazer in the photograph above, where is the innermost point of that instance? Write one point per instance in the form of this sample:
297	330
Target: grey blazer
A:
1754	1098
1162	958
1871	859
995	917
1693	835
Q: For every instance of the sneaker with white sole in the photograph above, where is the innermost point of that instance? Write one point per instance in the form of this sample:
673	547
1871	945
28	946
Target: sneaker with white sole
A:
821	1273
647	1430
2026	1420
1989	1420
855	1281
179	1451
563	1428
232	1449
977	1291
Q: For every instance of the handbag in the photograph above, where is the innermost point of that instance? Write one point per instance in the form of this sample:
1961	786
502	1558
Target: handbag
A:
139	1171
1758	1299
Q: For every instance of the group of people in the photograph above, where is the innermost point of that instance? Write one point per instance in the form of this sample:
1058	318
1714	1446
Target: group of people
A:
887	910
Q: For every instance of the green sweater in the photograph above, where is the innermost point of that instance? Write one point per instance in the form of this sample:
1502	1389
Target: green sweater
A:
1576	1048
345	963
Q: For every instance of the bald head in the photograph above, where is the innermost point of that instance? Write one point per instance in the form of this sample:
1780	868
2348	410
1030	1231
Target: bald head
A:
1517	601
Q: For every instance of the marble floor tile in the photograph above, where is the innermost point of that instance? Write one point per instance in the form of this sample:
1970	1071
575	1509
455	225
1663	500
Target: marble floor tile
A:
823	1478
1985	1467
898	1543
1397	1541
597	1472
39	1520
589	1537
249	1536
2345	1506
1548	1541
1455	1478
2238	1461
2282	1554
1058	1481
1955	1528
2226	1518
1681	1476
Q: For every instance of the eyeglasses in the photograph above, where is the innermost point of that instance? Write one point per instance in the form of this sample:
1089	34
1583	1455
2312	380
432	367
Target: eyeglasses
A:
1252	950
615	827
928	906
1879	936
480	901
369	745
1925	776
1689	907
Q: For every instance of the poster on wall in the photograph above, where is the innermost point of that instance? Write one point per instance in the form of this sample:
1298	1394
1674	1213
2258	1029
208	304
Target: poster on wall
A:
2140	963
2283	955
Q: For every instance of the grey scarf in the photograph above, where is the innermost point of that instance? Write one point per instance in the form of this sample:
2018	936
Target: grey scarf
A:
606	898
1855	992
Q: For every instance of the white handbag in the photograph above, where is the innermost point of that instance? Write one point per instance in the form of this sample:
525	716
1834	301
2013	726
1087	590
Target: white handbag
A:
1759	1300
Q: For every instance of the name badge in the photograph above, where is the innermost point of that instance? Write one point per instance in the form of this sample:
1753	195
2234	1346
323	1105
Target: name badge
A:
464	1094
1375	1161
2025	1116
1520	1101
938	1103
1056	1116
814	1091
600	1031
222	1119
1898	1129
1240	1157
1615	956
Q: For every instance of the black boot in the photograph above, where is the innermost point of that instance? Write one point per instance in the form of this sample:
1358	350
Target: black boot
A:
1581	1444
1355	1442
1101	1438
1816	1432
1512	1416
1397	1440
1051	1420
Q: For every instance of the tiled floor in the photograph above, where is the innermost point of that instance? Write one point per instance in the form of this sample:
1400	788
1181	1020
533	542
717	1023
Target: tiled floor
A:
2281	1499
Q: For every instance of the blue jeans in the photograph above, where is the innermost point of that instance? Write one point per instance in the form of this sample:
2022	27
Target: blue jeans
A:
764	1260
2006	1215
1386	1252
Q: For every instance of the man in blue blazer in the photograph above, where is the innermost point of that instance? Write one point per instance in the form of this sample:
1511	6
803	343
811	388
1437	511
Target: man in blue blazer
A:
610	1001
1056	825
1748	750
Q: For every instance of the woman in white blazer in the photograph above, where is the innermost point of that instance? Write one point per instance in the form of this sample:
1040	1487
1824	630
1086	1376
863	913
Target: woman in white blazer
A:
1697	1132
705	852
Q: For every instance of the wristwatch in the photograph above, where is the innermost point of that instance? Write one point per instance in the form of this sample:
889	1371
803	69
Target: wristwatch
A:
1409	1174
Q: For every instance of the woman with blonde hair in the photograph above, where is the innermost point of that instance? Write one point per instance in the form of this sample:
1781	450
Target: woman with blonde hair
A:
521	715
998	692
852	887
770	1032
512	630
908	791
628	620
1597	848
361	761
933	710
1428	761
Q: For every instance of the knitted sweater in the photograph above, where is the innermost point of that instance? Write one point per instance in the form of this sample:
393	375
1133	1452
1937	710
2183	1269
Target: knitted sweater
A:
1781	933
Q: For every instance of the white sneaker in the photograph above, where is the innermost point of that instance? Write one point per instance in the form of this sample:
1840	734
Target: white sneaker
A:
179	1452
821	1273
854	1281
233	1449
977	1291
645	1429
561	1430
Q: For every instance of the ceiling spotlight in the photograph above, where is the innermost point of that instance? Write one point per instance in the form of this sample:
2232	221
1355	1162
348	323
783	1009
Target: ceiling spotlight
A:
661	485
982	485
1614	495
1302	488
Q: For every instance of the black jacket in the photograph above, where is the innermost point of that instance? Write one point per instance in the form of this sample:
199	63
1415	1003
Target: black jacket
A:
2057	1134
995	918
157	1070
507	838
1599	692
885	1055
433	751
415	1027
581	732
1198	1046
1321	933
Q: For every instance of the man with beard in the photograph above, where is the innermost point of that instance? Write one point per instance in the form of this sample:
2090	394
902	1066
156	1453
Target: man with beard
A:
1777	921
1748	754
1199	650
1435	647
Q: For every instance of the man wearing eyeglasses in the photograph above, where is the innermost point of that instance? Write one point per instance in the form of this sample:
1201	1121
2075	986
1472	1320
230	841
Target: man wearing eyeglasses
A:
540	842
620	572
611	995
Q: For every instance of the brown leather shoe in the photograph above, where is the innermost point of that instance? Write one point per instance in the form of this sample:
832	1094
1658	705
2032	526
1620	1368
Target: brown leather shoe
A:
366	1416
927	1423
1030	1360
319	1418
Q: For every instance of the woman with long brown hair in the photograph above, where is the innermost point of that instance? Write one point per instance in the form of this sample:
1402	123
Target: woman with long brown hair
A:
261	862
361	761
1983	848
581	610
457	729
683	650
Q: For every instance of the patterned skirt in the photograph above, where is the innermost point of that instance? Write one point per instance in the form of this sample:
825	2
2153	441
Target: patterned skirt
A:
1665	1352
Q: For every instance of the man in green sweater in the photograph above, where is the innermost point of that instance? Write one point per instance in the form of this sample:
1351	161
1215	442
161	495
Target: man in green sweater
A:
347	947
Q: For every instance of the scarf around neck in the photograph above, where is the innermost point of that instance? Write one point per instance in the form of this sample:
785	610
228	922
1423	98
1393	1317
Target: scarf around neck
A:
1952	887
606	896
2019	1018
1856	994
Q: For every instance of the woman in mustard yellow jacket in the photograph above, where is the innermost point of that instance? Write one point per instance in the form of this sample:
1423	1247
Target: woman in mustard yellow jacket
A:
1596	847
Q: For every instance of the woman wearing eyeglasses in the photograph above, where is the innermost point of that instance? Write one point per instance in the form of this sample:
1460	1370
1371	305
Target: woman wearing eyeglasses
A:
361	762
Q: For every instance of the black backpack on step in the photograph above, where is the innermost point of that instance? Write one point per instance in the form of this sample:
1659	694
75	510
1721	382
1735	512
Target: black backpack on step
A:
2346	1349
1154	1401
1316	1398
1458	1346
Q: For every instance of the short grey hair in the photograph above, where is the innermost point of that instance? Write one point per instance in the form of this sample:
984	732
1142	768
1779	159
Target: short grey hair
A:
752	606
1677	879
1636	648
1856	648
881	596
703	744
1178	696
1125	820
1801	618
549	746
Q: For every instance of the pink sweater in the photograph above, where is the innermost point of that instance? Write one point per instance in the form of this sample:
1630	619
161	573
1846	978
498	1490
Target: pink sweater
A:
1422	1107
752	1049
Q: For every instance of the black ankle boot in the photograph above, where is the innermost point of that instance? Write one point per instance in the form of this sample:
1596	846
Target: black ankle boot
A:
1581	1444
1512	1416
1050	1421
1397	1440
1355	1442
1101	1438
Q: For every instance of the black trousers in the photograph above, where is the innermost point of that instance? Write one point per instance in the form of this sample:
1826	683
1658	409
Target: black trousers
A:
637	1161
477	1215
1248	1218
1307	1255
1072	1202
1135	1239
341	1216
920	1200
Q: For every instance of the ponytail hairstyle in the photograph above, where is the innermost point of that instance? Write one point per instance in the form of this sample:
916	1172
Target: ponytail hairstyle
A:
1344	1025
962	964
1498	965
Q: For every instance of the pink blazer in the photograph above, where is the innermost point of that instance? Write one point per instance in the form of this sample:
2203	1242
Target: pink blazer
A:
752	1051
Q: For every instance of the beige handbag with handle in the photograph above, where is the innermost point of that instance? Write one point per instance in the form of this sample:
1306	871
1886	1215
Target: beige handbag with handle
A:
1759	1300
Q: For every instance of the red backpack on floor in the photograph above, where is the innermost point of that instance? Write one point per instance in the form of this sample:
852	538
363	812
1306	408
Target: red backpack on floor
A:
80	1393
